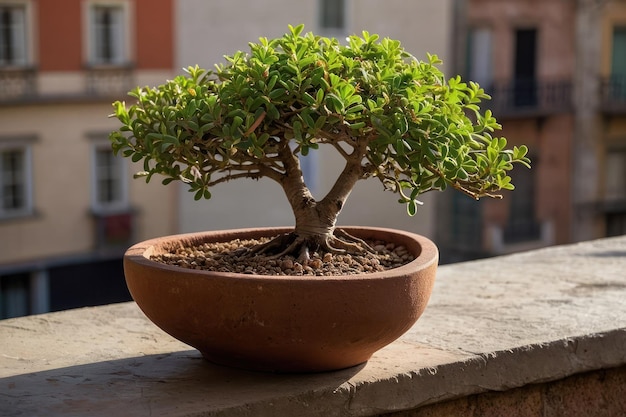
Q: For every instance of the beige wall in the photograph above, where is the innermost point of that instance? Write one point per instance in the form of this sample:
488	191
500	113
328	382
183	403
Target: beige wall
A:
62	83
62	175
208	30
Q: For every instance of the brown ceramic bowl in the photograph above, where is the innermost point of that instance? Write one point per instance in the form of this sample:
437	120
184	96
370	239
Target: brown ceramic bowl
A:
282	323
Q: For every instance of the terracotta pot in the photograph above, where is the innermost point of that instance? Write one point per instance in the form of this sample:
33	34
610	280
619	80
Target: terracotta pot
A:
282	323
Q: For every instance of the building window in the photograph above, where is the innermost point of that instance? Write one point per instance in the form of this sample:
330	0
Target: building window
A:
616	224
618	57
15	182
525	87
466	222
479	61
522	225
618	64
107	34
332	16
616	176
615	196
13	41
14	296
110	192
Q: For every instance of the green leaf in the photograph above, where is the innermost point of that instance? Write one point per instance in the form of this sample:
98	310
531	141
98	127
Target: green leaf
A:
335	103
297	30
308	120
358	125
275	94
319	123
319	97
237	121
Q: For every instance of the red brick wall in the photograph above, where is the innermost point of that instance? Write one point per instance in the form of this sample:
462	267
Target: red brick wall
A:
154	34
60	34
59	30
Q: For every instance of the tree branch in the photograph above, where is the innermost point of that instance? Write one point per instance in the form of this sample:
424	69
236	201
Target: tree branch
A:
229	177
292	180
353	171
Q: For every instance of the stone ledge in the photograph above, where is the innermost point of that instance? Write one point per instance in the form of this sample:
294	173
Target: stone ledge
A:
491	326
590	394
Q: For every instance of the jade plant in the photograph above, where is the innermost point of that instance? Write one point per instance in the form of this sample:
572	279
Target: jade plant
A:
389	115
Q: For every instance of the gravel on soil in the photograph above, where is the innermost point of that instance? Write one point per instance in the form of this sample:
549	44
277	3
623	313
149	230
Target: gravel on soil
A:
230	257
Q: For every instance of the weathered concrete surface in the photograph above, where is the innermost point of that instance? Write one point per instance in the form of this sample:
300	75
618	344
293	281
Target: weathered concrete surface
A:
492	325
591	394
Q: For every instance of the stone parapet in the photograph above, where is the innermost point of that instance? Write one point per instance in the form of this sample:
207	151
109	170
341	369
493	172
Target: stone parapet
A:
493	327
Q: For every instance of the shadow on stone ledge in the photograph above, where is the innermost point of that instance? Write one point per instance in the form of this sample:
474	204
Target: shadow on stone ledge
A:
180	383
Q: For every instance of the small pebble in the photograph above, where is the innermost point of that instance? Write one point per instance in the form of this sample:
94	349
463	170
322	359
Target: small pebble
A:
316	263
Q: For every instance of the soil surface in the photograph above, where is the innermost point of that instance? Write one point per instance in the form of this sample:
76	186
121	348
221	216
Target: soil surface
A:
233	257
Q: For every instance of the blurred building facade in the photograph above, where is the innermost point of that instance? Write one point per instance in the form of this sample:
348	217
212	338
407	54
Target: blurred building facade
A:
209	30
68	208
554	69
599	153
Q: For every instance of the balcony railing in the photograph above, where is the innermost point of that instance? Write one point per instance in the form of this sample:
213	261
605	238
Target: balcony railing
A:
520	230
108	81
17	83
114	230
613	94
530	98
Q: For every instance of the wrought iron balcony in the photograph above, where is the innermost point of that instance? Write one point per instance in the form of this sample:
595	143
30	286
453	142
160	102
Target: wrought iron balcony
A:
17	83
109	80
20	85
114	230
522	230
613	94
530	97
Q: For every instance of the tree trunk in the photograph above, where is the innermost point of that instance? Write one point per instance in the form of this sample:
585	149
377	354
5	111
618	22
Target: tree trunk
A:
315	220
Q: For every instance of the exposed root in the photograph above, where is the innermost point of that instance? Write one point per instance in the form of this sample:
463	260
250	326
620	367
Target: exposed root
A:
302	247
276	244
339	245
348	237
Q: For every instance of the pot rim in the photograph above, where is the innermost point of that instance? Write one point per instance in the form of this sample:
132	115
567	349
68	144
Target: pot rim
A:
139	253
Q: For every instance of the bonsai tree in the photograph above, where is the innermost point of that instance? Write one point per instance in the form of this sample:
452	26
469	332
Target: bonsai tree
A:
389	115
